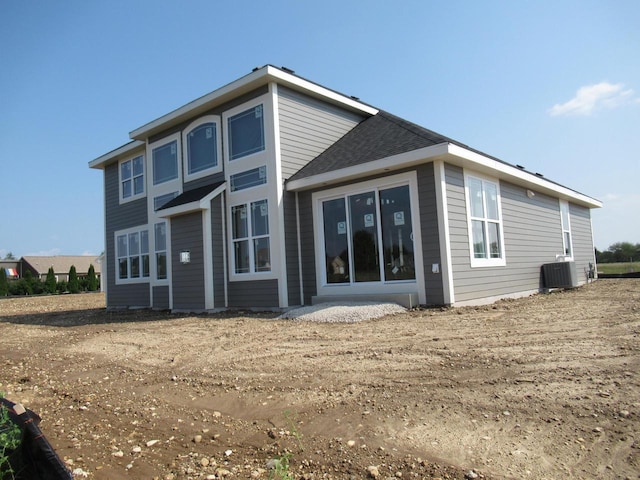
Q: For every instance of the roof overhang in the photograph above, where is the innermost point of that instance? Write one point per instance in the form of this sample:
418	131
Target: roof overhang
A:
257	78
197	205
449	153
119	153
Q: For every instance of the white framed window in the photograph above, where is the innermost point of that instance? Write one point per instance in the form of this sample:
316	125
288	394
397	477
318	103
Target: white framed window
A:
245	132
165	159
132	255
131	173
203	147
248	179
160	230
565	220
484	216
250	238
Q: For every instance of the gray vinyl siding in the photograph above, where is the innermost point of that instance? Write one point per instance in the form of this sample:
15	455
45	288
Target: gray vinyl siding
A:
430	234
291	248
254	294
582	239
532	237
307	246
119	217
308	127
187	279
219	254
161	297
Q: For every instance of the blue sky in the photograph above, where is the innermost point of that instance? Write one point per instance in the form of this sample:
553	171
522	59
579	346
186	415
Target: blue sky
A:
551	85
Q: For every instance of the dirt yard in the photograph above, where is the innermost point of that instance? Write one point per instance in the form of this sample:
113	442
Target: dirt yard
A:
545	387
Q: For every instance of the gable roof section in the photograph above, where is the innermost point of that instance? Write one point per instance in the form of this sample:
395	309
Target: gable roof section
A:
62	263
384	142
192	200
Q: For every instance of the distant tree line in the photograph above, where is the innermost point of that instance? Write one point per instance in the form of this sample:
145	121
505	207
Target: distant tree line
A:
30	285
619	252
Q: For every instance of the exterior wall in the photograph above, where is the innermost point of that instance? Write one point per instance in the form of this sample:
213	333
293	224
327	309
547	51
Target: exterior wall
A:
307	244
532	237
161	297
430	234
582	239
291	247
308	127
218	249
120	217
188	279
253	294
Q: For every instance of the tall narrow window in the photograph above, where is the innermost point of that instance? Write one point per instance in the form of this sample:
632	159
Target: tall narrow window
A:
251	241
364	237
161	250
566	228
397	234
165	162
202	148
336	241
246	133
484	217
132	177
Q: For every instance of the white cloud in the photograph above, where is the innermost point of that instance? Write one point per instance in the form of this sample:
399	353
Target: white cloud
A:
594	97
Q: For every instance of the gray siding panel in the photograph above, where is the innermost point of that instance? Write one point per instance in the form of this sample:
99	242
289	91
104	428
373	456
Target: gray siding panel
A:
120	217
219	254
188	279
532	237
308	127
307	243
254	294
161	297
291	248
582	239
430	233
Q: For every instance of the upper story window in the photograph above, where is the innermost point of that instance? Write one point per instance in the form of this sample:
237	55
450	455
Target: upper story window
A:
485	222
165	162
566	229
132	255
203	147
132	178
246	132
248	179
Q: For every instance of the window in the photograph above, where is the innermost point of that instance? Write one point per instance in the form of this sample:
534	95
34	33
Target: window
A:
203	147
248	179
132	178
165	162
250	232
132	255
161	200
566	229
161	250
485	226
368	237
246	133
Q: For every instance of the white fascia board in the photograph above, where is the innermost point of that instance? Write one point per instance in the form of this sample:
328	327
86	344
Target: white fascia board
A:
450	153
255	79
117	154
468	159
196	205
395	162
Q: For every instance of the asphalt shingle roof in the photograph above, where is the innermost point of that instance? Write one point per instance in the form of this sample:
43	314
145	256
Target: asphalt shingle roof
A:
193	195
376	137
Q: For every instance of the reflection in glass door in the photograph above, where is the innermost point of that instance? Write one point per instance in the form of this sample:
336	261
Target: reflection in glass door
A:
397	234
336	246
364	237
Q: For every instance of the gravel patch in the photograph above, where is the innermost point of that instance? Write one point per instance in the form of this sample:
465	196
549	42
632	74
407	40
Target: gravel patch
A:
343	312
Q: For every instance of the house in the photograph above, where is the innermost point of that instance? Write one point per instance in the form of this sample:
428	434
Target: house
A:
61	264
274	191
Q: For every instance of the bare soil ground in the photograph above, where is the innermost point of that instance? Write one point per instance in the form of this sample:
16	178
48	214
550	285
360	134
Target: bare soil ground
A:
544	387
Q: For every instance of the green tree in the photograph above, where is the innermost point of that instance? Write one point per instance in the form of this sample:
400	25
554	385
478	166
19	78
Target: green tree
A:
74	285
92	280
9	256
50	282
624	251
4	284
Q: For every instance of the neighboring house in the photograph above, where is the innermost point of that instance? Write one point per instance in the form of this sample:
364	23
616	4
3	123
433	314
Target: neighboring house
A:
274	191
12	268
39	265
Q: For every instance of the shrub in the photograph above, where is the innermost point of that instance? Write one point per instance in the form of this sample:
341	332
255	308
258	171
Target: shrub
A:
4	283
50	283
74	285
92	280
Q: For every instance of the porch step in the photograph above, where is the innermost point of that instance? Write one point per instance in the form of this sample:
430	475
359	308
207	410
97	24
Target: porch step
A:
407	300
